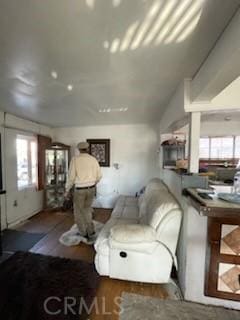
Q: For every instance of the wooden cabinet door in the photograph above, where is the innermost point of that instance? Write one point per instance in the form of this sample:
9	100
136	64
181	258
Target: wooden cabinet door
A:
223	259
43	144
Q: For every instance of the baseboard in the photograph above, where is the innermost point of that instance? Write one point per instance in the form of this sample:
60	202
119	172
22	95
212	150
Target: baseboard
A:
23	219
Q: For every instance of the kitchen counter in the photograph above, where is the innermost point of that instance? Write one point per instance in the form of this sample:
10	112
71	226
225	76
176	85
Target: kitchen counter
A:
222	261
215	207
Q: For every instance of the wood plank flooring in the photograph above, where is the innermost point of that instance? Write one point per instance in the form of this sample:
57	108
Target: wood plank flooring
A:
54	224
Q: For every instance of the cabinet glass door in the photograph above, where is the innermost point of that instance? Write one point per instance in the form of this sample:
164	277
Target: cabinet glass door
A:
56	176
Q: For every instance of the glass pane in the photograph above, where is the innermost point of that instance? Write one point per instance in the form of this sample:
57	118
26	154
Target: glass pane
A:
34	161
204	148
50	167
222	148
237	147
22	162
227	148
60	167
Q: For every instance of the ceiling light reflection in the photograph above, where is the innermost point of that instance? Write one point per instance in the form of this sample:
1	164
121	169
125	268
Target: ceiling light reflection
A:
160	21
128	36
115	45
145	25
54	74
90	3
112	110
106	44
116	3
173	18
167	21
189	28
188	17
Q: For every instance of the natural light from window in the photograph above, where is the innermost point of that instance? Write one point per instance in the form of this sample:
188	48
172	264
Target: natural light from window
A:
220	147
26	161
166	22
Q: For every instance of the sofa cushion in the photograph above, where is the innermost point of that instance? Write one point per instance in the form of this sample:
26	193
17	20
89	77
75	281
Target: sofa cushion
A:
126	212
105	232
129	201
126	207
159	204
120	201
143	248
117	211
133	233
140	200
130	213
142	208
103	249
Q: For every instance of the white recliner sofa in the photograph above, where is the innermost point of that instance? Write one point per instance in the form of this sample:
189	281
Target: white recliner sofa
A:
139	241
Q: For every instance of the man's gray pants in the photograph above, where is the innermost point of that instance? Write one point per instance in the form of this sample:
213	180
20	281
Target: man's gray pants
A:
83	200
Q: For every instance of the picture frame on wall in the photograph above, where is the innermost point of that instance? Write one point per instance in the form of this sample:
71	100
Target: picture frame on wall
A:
100	149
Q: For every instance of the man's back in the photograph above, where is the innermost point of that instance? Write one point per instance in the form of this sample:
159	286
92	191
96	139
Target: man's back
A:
84	171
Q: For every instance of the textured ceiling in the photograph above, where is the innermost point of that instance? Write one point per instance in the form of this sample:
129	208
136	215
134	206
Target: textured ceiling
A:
117	54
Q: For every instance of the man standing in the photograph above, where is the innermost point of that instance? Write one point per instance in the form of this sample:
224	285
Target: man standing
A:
84	174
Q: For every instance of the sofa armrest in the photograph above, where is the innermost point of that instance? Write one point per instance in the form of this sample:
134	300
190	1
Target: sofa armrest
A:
133	233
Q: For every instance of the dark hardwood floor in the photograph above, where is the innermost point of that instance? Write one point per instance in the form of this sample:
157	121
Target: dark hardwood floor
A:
54	224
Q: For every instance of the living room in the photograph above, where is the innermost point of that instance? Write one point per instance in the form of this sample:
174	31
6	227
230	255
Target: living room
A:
136	80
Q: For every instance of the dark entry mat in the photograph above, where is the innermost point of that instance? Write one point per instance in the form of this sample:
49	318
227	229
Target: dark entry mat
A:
5	256
13	240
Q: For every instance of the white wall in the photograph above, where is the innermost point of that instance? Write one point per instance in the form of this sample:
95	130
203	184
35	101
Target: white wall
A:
134	147
28	201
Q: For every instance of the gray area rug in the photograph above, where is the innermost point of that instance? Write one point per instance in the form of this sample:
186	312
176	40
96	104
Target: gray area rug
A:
139	307
173	290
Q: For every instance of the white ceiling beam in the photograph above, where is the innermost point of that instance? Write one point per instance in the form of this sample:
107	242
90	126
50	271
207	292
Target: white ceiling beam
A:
174	110
202	106
222	65
194	138
207	106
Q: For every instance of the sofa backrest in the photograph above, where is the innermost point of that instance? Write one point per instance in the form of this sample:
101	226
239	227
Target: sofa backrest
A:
155	184
160	210
158	204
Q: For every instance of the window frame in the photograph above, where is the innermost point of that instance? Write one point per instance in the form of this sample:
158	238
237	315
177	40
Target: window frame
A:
29	138
210	146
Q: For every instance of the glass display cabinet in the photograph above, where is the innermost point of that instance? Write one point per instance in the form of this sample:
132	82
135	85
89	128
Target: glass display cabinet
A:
56	170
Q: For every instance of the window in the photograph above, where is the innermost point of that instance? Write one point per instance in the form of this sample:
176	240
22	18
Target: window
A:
204	148
26	161
237	147
219	147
